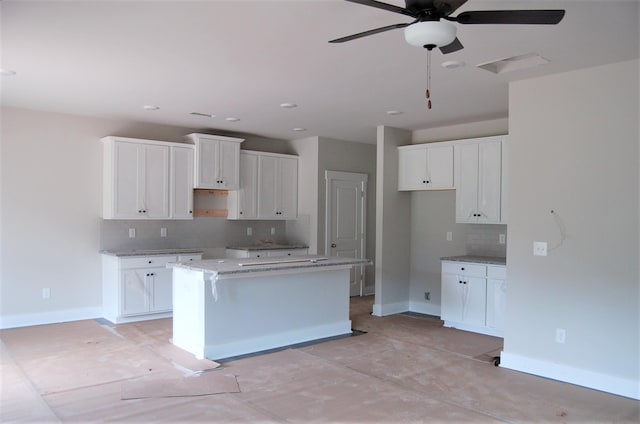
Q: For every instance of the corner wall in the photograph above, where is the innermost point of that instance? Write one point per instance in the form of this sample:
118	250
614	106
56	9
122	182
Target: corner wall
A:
574	149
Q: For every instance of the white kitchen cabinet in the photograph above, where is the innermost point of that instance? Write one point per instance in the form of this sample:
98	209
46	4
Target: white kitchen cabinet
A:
277	186
182	182
217	161
263	253
496	297
478	180
136	179
426	166
138	288
469	299
243	203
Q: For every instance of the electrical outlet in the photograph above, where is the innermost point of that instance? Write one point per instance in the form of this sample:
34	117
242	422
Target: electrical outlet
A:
273	230
561	335
501	239
449	236
132	233
163	232
427	295
46	293
539	248
249	231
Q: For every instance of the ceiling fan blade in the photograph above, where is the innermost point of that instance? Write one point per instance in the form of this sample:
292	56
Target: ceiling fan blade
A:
454	46
384	6
370	32
446	7
538	17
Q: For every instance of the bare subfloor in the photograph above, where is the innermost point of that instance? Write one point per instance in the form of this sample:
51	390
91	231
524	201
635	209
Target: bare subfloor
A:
403	369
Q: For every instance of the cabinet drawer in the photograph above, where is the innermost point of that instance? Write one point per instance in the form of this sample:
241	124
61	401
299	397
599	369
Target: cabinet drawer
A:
286	252
146	261
464	268
187	258
497	272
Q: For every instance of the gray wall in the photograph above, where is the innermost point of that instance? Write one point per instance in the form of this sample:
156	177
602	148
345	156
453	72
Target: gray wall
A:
393	214
574	149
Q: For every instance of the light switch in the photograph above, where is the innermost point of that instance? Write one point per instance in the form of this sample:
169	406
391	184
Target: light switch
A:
449	236
273	230
249	231
163	232
539	248
132	233
501	239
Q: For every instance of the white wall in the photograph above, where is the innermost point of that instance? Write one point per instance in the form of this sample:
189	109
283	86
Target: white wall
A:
574	149
393	209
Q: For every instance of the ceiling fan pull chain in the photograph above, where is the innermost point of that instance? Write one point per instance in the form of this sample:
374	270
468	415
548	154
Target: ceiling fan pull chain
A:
428	92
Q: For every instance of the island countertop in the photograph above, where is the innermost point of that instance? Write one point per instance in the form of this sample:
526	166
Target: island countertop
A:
246	266
489	260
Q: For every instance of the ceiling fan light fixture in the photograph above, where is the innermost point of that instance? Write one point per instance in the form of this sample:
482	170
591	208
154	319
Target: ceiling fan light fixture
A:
430	33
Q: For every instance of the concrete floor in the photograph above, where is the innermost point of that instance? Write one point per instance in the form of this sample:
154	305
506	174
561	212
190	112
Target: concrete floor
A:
404	369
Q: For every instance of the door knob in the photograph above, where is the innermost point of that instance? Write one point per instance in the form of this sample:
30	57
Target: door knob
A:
333	245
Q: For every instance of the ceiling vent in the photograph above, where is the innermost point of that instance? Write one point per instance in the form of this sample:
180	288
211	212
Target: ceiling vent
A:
514	63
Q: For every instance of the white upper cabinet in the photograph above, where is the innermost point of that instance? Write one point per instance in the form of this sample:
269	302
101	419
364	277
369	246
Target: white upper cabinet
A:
147	179
182	182
425	166
243	203
217	161
478	180
277	186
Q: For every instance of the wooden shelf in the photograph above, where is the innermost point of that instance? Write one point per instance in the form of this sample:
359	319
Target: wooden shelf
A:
208	192
220	213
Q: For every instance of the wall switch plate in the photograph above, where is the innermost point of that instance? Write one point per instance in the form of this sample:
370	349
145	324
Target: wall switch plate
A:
249	231
539	248
427	295
561	335
46	293
163	232
502	239
132	233
273	230
449	236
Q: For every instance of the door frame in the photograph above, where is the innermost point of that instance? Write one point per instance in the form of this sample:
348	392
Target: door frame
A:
348	176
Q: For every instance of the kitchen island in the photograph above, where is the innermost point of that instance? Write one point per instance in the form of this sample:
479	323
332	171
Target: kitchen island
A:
232	307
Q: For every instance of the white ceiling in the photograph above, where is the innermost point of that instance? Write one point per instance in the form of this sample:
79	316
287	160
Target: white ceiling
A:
244	58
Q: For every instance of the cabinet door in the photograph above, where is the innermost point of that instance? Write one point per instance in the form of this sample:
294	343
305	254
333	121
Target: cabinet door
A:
489	178
181	183
474	295
229	157
451	306
126	180
156	182
247	194
287	188
135	296
466	182
412	169
496	303
267	183
207	175
440	167
160	289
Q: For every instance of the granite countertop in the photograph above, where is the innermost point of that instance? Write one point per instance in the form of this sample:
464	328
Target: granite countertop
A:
151	252
269	246
477	259
227	267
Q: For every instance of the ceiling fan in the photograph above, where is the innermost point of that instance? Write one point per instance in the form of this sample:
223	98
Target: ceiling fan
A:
432	25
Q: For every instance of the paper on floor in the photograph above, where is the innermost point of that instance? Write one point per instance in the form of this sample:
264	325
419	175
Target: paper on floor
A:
207	383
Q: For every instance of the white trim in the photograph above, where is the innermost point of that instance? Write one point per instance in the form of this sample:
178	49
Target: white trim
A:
423	308
495	332
52	317
381	310
626	387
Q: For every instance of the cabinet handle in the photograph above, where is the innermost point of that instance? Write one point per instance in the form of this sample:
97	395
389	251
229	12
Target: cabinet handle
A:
424	181
427	181
459	282
150	262
462	268
464	282
240	212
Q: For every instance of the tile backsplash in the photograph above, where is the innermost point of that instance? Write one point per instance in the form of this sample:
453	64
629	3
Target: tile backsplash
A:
483	240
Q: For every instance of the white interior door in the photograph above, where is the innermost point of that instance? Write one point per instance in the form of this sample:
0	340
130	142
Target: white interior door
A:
346	221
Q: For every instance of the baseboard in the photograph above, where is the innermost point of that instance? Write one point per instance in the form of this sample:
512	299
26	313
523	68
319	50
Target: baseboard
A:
424	308
51	317
607	383
381	310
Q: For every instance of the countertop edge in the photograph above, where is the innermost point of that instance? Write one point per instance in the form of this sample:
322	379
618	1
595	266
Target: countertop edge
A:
489	260
151	252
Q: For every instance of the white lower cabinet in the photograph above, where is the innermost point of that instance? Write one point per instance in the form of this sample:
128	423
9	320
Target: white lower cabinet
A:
473	297
264	253
136	288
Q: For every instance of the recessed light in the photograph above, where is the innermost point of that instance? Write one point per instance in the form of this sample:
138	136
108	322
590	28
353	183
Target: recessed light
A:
206	115
394	112
288	105
232	119
150	107
299	129
453	64
7	72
